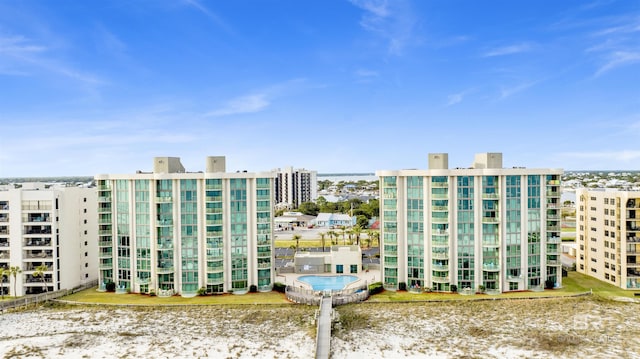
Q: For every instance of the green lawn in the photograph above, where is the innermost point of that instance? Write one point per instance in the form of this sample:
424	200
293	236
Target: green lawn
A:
575	283
93	296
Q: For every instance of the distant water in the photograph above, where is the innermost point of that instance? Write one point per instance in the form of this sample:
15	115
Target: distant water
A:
347	177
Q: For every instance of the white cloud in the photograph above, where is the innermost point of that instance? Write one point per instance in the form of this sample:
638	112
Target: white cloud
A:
508	50
393	21
510	91
18	46
210	14
243	104
366	73
618	59
455	98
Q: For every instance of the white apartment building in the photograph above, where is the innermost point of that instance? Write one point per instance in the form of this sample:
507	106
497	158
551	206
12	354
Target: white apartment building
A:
172	231
481	227
608	236
295	186
47	225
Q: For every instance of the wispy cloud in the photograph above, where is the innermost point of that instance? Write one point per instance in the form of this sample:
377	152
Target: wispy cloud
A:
240	105
618	59
393	21
210	14
25	54
456	97
256	101
365	76
508	50
618	44
506	92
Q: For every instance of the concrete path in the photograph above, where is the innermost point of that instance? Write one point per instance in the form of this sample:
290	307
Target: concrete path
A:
323	337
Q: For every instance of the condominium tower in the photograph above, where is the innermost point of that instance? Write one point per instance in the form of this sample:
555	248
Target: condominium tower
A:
482	227
48	229
295	186
608	236
173	231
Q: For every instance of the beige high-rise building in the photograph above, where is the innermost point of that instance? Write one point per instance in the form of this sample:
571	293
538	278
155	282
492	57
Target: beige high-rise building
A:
173	231
608	236
47	226
478	227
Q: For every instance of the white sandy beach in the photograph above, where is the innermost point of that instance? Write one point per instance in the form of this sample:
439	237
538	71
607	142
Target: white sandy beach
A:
555	328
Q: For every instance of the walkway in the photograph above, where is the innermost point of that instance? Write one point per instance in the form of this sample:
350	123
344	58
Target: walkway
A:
323	337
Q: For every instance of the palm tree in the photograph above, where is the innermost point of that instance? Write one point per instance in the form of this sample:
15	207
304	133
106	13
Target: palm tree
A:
369	237
39	272
14	270
322	235
296	237
4	272
331	234
343	231
357	231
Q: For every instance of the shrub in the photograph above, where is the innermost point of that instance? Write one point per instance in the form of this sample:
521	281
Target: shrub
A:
549	284
152	293
253	288
454	288
375	288
279	287
402	286
481	288
111	286
202	291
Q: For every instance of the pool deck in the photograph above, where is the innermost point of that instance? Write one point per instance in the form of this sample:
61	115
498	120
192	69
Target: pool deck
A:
370	276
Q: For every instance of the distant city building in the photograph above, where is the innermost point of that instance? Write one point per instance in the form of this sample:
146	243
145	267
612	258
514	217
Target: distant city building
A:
173	231
295	186
51	227
608	236
482	227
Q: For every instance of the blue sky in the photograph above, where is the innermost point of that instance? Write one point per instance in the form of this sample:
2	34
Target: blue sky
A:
89	87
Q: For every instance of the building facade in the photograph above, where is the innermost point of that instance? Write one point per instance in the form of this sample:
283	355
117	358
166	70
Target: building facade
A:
51	229
608	236
171	231
295	186
479	228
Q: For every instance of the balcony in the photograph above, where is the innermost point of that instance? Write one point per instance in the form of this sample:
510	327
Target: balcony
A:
440	243
490	196
440	267
36	217
440	279
164	199
39	254
215	269
554	228
4	218
264	265
514	278
106	264
105	232
553	262
37	242
490	220
164	269
440	220
103	243
162	222
440	255
440	184
212	222
213	198
105	198
491	243
107	254
553	193
490	267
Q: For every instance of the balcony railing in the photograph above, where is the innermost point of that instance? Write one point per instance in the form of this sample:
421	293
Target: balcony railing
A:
213	269
491	267
439	267
164	199
214	198
440	184
490	196
440	255
164	269
440	279
553	262
490	219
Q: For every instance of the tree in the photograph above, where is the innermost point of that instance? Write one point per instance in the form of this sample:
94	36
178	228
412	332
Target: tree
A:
296	237
332	234
322	235
39	272
309	208
357	231
4	272
14	270
343	232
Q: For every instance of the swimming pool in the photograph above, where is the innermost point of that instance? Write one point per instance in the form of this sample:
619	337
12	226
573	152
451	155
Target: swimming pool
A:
328	282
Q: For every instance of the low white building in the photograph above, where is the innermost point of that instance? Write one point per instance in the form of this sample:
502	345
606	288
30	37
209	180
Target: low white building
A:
329	220
48	225
342	259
